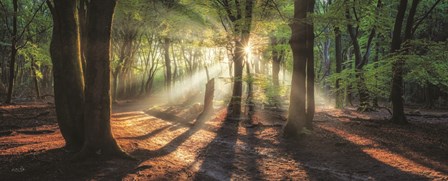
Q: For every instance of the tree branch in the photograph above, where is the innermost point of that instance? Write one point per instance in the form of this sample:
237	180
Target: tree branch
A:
31	20
425	16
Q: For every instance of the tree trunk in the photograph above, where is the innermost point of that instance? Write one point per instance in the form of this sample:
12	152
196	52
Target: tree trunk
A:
67	73
376	60
115	85
338	56
297	113
326	63
166	48
36	81
310	105
249	100
82	23
359	64
12	61
97	111
242	27
398	115
175	73
237	80
275	62
397	92
208	100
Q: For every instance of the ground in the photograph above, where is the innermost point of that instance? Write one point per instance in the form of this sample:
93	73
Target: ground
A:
169	145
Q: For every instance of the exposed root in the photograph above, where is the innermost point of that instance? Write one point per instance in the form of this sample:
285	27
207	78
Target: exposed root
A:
366	108
387	109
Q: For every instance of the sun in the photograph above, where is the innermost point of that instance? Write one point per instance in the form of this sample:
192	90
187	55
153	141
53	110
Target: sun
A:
248	50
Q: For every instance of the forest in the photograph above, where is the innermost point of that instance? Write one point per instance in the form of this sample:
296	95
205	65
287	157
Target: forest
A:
223	90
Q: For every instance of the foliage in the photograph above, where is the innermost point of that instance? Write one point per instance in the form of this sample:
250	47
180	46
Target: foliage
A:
427	64
266	93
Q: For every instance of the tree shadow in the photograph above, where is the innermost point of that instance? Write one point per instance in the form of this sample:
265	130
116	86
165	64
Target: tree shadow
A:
251	155
176	142
219	154
425	146
55	164
323	159
148	135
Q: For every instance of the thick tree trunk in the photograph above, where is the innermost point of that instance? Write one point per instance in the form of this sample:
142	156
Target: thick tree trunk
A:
97	111
310	105
12	62
242	27
297	113
237	92
398	115
82	23
67	73
397	92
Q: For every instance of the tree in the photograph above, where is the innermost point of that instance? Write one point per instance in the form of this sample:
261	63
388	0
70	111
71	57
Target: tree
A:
361	60
16	38
310	104
297	115
98	134
67	73
236	17
338	60
83	112
397	93
12	62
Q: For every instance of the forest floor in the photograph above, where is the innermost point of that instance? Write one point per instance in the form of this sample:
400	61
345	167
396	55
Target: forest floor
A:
168	145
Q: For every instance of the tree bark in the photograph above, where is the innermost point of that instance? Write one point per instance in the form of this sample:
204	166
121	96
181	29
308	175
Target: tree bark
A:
36	81
67	73
12	62
275	61
166	48
82	23
237	80
208	100
98	134
310	104
338	56
359	64
242	27
297	109
398	115
397	92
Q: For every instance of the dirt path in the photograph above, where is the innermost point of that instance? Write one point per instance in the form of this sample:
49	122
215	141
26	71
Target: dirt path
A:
345	145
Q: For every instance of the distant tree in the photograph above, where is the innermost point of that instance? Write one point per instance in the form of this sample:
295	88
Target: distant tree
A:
17	31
